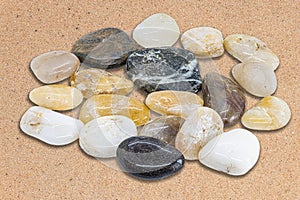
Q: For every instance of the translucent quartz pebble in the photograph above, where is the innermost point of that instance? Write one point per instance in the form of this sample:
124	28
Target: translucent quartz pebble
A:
200	127
270	113
54	66
164	128
56	97
113	104
204	42
234	152
98	81
158	30
247	48
256	78
101	137
49	126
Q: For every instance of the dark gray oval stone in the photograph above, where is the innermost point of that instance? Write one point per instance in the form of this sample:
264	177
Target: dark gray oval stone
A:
167	68
149	158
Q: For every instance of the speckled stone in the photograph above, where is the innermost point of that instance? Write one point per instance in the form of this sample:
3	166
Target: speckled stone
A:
149	158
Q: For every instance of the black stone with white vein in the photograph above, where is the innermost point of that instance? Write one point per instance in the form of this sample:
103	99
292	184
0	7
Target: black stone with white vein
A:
167	68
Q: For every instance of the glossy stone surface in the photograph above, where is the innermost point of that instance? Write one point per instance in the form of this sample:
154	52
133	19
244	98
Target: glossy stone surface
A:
157	69
149	158
204	42
158	30
256	78
113	104
234	152
49	126
105	48
270	113
97	81
224	96
247	48
54	66
163	128
56	97
199	128
101	137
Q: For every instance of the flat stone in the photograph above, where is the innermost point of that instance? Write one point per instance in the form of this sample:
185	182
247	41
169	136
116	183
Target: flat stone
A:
113	104
97	81
199	128
204	42
149	158
164	128
224	96
101	137
49	126
158	69
270	113
105	48
256	78
247	48
56	97
158	30
234	152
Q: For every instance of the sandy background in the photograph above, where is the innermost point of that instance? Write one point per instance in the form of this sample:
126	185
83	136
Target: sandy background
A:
29	169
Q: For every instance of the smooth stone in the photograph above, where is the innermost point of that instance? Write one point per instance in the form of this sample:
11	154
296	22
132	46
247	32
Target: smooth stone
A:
113	104
49	126
54	66
234	152
56	97
247	48
204	42
224	96
164	128
105	48
158	30
101	137
97	81
164	69
256	78
270	113
199	128
149	158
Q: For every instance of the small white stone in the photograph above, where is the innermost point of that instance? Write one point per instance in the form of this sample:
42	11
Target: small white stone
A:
234	152
158	30
101	137
49	126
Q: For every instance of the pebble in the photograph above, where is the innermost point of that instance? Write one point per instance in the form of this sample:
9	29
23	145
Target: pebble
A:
49	126
56	97
199	128
204	42
164	128
101	137
156	69
149	158
54	66
113	104
270	113
158	30
105	48
256	78
97	81
247	48
234	152
224	96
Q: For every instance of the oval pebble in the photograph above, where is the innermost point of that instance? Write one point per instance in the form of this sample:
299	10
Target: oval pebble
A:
49	126
234	152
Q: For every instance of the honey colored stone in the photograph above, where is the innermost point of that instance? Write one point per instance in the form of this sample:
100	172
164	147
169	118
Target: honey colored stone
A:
56	97
271	113
113	104
97	81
